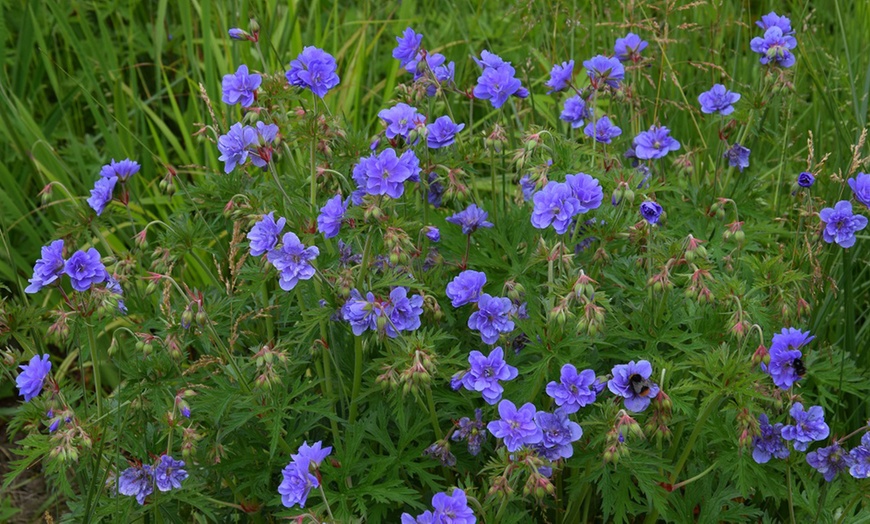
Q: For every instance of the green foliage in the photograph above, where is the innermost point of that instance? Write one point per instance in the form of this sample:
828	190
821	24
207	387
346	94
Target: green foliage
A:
264	370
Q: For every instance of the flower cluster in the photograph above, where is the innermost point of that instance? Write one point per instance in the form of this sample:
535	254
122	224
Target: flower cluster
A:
139	481
574	390
385	173
314	69
559	202
242	142
471	219
841	224
424	65
497	82
631	381
809	426
786	365
776	44
397	313
32	377
240	87
110	175
492	317
84	268
769	443
302	474
291	257
550	434
447	509
486	372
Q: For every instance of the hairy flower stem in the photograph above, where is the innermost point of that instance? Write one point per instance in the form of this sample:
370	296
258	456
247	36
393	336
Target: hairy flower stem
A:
492	182
326	503
270	323
790	488
551	279
311	160
95	367
357	378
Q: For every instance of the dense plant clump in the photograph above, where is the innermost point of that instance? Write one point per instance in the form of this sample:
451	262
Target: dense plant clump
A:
444	303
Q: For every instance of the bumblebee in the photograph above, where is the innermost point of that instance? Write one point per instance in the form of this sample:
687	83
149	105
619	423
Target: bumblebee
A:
640	386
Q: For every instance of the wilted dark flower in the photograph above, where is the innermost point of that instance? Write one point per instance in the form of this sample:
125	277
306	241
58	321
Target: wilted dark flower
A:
830	460
738	156
440	451
769	443
471	430
470	219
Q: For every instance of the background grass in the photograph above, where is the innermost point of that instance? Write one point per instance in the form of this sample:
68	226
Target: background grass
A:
84	82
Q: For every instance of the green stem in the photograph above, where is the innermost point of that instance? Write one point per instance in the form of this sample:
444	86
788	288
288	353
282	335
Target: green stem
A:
270	323
550	282
95	366
364	266
433	417
699	426
492	183
357	378
790	495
